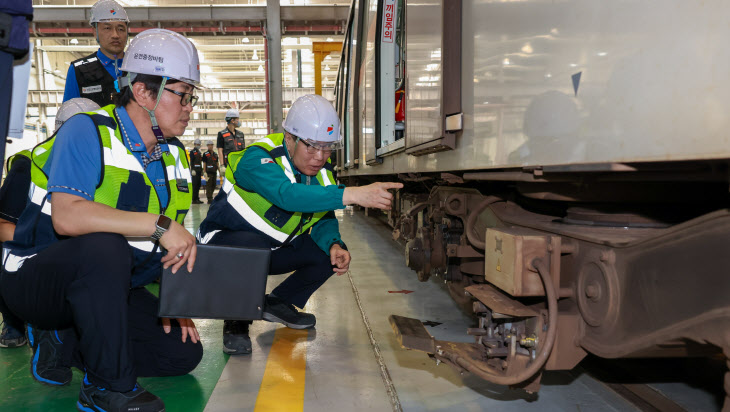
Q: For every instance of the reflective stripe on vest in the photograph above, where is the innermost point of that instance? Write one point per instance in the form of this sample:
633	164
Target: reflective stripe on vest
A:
258	211
118	165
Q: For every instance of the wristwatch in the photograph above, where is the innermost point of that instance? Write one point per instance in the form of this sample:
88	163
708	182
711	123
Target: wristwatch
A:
161	225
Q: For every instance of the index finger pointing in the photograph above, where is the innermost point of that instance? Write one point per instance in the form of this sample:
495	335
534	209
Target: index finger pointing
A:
392	185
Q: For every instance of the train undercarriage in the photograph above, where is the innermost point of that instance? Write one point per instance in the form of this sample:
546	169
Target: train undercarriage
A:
554	267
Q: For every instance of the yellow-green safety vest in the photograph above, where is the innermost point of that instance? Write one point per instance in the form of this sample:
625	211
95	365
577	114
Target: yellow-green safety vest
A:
253	207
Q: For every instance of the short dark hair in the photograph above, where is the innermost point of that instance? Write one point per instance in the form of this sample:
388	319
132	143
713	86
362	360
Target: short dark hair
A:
151	83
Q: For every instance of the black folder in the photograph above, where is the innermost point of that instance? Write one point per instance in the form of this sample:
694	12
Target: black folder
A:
226	283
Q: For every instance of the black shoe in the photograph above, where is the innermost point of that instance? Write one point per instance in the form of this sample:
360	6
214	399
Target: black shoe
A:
11	337
45	365
276	310
197	202
235	337
95	399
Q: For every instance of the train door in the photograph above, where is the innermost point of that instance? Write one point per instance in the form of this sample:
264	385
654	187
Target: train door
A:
348	88
433	87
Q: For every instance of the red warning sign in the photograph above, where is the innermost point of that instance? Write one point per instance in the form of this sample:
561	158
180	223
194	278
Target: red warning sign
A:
388	21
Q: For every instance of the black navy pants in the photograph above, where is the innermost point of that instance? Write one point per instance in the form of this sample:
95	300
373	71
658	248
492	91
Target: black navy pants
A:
310	264
81	286
210	186
196	184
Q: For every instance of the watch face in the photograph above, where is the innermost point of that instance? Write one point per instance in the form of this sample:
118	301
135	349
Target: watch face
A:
164	222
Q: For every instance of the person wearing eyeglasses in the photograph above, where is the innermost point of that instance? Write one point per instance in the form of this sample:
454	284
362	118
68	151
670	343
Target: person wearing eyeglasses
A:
107	202
273	193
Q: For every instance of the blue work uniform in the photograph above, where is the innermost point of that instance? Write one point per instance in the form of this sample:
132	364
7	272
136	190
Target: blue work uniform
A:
88	287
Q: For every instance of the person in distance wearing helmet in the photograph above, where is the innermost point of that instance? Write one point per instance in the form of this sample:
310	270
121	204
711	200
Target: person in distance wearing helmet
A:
230	139
13	199
112	217
93	76
273	193
196	169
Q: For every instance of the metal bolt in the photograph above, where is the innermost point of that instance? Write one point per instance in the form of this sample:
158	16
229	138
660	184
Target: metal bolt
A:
592	291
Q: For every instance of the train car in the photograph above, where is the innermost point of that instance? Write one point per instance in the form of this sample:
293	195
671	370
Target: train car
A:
566	171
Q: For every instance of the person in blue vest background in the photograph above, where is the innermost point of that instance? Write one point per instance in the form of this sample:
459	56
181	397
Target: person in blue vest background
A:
108	198
93	76
13	199
273	193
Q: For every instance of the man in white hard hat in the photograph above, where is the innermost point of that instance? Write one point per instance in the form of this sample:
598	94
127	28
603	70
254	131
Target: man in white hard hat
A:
13	199
109	196
273	193
230	139
196	169
93	76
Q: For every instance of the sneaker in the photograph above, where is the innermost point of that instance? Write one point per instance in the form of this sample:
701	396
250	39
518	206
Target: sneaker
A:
45	365
276	310
235	337
11	337
92	398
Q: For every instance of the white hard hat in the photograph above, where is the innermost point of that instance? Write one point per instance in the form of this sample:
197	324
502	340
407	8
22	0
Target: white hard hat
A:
196	141
107	10
161	52
313	117
231	113
209	142
72	107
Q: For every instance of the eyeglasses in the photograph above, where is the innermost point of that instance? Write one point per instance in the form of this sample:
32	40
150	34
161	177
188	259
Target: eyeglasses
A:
314	147
185	98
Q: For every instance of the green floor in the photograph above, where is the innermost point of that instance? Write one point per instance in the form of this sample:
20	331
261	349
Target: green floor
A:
189	393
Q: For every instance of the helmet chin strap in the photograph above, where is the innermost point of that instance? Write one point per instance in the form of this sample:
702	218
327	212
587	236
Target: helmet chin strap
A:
127	81
155	127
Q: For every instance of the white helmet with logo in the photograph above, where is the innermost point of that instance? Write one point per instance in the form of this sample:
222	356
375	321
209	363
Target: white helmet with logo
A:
72	107
161	52
107	10
313	117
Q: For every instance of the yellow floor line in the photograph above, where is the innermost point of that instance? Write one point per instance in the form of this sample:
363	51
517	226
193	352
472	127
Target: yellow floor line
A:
282	388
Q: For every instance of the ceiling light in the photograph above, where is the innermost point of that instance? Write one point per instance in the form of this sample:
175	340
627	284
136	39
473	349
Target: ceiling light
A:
330	39
505	62
261	68
326	66
74	41
255	56
527	48
244	40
